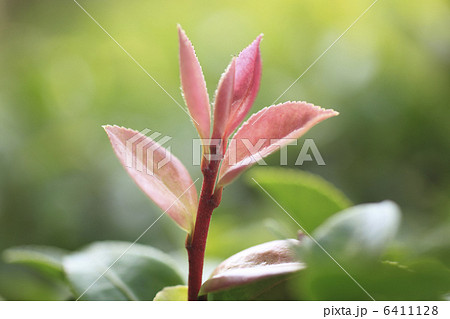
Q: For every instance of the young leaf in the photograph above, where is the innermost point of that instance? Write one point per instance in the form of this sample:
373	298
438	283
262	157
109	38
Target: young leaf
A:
176	293
194	86
137	272
275	258
169	185
222	103
246	84
265	132
45	259
308	198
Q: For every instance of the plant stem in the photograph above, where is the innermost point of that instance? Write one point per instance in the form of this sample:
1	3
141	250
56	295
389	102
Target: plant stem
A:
196	243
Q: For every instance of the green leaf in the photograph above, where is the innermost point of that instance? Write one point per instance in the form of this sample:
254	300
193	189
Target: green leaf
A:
359	232
418	280
423	280
308	198
176	293
253	273
343	257
119	271
47	260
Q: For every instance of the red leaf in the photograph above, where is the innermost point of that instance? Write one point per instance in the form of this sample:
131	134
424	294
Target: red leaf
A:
223	101
265	132
169	186
246	84
270	259
194	86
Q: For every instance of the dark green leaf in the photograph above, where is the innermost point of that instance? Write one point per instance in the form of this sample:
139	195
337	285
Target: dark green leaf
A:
420	280
175	293
137	272
307	197
423	280
343	255
359	232
46	259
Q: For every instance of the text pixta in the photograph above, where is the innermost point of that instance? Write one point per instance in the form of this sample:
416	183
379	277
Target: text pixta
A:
344	311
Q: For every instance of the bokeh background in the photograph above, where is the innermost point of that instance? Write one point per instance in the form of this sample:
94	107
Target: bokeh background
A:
62	77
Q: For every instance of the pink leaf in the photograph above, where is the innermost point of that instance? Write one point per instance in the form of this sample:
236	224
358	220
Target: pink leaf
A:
275	258
246	84
194	86
223	100
265	132
157	172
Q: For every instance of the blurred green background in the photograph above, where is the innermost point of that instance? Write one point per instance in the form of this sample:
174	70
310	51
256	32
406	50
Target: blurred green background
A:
62	78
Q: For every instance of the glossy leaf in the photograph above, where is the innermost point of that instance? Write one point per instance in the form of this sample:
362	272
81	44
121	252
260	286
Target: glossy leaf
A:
308	198
260	262
354	241
169	185
360	232
176	293
265	132
194	86
46	259
246	84
137	272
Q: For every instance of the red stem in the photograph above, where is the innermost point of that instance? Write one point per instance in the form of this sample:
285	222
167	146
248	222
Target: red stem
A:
196	243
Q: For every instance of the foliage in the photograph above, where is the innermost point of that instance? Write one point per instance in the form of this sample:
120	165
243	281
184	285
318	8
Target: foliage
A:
62	78
315	198
45	259
105	270
347	257
175	293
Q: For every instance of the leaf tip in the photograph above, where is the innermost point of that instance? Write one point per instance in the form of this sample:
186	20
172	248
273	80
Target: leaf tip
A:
181	32
333	112
260	37
107	127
